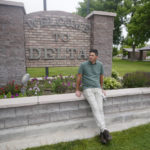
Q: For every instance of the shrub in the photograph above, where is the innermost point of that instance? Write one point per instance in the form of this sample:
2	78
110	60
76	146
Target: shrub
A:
115	75
136	79
57	86
111	83
63	84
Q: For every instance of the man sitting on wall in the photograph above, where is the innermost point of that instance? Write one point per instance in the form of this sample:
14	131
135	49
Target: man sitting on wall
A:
91	73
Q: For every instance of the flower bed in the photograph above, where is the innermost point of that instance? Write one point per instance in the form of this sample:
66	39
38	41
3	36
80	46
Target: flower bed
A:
46	86
67	84
50	85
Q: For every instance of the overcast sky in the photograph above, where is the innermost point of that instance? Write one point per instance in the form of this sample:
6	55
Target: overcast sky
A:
37	5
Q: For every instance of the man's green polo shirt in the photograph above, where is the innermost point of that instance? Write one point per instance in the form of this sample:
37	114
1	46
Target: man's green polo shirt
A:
91	74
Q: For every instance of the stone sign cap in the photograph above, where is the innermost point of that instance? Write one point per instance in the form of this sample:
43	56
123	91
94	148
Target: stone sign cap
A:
10	3
102	13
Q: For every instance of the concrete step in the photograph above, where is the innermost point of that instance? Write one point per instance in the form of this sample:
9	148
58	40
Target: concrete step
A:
36	135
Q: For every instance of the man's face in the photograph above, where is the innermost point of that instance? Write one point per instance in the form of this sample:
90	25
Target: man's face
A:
92	57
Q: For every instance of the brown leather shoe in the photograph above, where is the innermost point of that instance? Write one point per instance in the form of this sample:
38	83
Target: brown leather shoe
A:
107	135
102	138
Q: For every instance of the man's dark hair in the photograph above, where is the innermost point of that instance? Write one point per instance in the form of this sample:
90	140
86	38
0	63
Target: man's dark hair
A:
94	51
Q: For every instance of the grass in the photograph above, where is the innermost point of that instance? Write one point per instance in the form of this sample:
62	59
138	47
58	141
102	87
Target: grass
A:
137	138
53	71
121	66
126	66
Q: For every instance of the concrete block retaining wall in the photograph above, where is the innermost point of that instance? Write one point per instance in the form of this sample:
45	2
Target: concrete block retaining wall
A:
35	121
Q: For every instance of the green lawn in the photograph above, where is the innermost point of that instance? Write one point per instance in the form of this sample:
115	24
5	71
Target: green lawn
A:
125	66
137	138
122	66
53	71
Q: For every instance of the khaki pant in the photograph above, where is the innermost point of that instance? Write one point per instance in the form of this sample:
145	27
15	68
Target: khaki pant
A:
95	99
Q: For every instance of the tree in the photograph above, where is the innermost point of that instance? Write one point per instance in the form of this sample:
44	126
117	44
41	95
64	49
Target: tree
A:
115	51
134	14
140	24
130	7
105	5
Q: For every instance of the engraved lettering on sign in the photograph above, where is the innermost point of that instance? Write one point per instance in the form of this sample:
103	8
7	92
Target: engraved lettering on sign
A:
57	54
35	53
66	22
56	36
45	21
65	37
49	54
60	22
62	37
82	54
71	51
32	23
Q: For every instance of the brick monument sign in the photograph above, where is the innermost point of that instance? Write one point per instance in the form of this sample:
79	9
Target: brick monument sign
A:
55	38
50	38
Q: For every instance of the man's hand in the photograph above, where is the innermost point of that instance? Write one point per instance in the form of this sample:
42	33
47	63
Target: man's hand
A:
103	91
78	93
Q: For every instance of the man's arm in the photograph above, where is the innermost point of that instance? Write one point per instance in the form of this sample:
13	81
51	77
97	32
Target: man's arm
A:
78	92
101	83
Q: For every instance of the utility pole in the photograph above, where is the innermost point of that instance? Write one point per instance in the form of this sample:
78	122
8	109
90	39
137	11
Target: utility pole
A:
88	7
45	9
44	4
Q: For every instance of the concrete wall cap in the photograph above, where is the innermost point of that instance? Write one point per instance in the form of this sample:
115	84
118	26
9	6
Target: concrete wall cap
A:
129	91
10	3
101	13
145	90
62	98
59	98
17	102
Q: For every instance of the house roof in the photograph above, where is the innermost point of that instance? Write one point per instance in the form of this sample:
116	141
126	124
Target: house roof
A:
146	48
130	50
